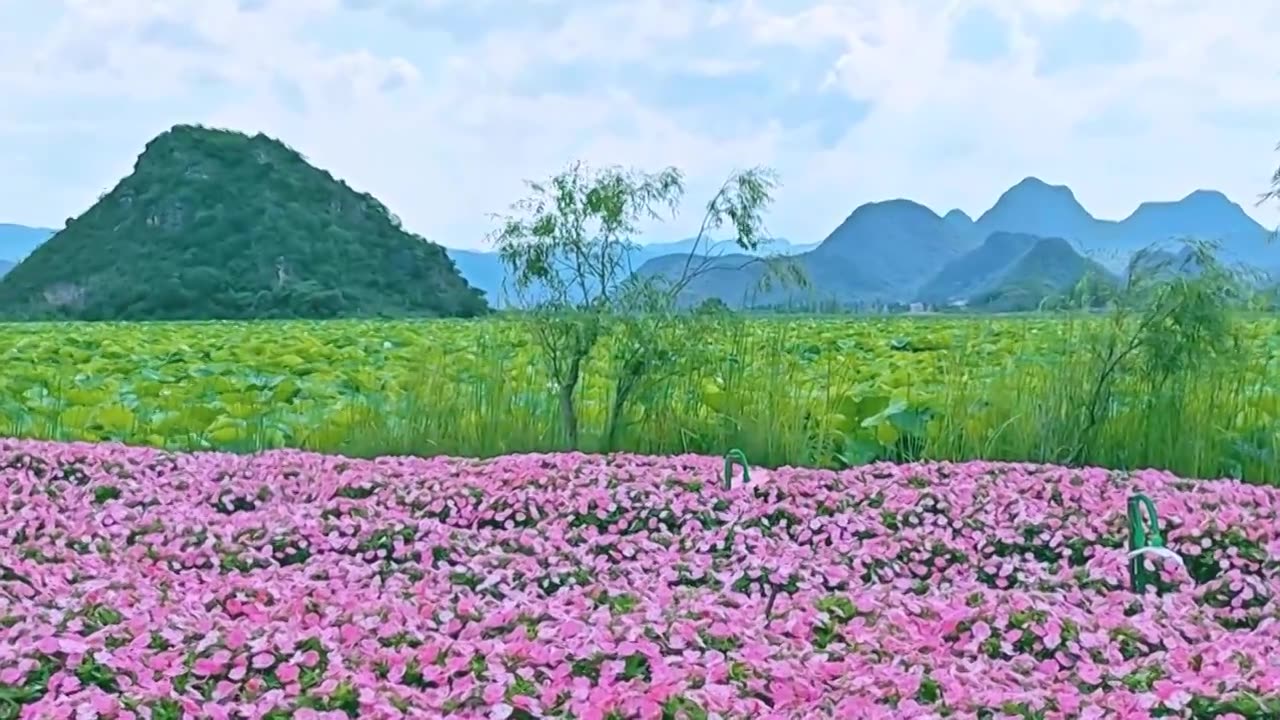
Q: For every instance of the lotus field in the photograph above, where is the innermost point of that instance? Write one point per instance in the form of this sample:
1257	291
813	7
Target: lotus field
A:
805	392
141	583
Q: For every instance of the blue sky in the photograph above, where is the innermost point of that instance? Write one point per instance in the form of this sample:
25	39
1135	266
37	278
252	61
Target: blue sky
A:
442	107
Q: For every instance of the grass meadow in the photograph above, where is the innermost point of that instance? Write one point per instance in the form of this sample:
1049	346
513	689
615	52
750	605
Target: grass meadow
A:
812	391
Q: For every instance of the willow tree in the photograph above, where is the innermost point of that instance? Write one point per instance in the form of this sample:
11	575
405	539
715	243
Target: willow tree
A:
568	247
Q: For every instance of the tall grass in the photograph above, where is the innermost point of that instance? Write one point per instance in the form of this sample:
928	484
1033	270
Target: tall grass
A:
1211	418
1001	388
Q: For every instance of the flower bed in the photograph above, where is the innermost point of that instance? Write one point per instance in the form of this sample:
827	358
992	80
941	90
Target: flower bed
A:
292	584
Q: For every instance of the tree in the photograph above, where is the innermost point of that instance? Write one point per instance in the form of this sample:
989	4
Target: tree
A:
1273	193
568	246
1168	316
713	306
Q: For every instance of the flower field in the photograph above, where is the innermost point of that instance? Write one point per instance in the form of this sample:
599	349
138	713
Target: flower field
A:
285	584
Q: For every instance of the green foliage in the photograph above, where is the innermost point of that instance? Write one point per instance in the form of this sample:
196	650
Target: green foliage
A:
998	388
572	233
877	427
216	225
1162	373
713	306
570	239
1161	326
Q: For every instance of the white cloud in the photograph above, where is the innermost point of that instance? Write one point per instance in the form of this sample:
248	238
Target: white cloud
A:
441	108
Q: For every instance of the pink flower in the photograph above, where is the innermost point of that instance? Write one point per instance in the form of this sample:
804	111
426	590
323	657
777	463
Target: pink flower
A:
607	584
205	667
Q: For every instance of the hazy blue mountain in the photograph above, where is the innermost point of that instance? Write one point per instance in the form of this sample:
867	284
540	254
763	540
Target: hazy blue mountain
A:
484	269
882	252
961	221
6	266
1036	208
17	241
899	242
1007	272
715	248
1204	215
896	251
736	278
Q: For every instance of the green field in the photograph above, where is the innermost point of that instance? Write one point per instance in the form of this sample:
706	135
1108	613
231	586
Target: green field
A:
787	391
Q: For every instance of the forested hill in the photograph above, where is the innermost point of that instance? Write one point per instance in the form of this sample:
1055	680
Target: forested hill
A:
218	224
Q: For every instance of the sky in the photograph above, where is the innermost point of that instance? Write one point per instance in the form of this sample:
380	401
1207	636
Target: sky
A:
442	108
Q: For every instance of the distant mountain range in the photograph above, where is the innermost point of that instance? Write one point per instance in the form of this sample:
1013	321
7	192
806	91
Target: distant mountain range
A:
17	242
1036	239
1037	208
484	269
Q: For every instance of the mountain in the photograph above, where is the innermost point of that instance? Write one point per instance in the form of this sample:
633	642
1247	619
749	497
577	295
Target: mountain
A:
1051	268
217	224
17	241
1205	215
1035	207
898	251
900	243
977	271
484	269
961	221
5	267
1010	271
714	248
882	252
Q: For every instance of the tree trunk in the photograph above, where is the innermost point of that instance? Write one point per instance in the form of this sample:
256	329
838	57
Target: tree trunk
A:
568	406
615	418
569	416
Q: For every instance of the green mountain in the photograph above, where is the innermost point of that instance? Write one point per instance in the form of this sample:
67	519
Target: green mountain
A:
216	224
978	270
1049	270
1010	272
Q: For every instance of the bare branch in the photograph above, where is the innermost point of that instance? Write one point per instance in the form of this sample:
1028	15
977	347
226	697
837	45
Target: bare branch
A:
1272	194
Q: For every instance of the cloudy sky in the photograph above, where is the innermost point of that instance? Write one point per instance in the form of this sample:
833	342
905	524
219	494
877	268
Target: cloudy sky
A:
442	107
